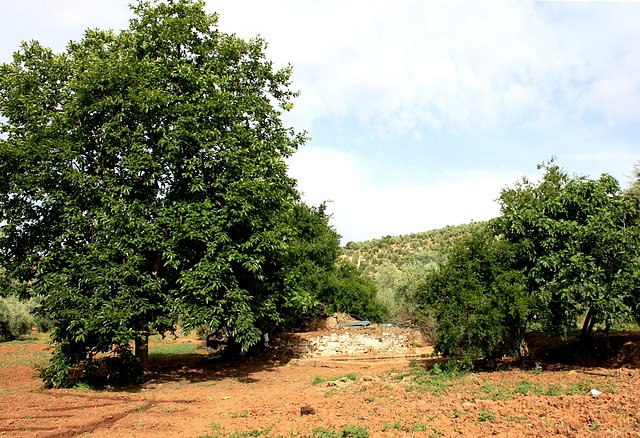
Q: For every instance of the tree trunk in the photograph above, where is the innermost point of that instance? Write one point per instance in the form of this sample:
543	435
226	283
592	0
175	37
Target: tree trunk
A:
586	327
142	346
142	337
607	326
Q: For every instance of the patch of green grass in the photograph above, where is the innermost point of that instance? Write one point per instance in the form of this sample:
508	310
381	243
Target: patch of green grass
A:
168	347
317	380
526	387
495	392
82	386
490	391
348	431
553	390
486	416
434	380
323	432
354	432
23	357
216	432
251	433
578	388
419	427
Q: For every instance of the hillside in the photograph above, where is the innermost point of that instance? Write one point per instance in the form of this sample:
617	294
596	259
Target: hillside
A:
399	265
424	248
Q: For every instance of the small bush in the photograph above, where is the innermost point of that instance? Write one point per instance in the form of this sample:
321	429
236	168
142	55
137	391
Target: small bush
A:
354	431
15	319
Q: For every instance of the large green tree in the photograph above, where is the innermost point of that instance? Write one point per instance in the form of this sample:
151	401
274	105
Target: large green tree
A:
579	243
143	179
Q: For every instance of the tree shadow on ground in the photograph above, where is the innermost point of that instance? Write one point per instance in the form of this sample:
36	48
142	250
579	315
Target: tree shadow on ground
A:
623	350
546	352
202	367
554	353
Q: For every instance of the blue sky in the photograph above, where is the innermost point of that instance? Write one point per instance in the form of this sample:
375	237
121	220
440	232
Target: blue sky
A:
420	112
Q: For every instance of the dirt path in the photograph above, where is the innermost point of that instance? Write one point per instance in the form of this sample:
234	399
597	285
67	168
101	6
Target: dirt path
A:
191	397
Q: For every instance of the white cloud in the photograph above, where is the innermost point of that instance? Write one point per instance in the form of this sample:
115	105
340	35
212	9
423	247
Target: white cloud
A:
400	66
366	205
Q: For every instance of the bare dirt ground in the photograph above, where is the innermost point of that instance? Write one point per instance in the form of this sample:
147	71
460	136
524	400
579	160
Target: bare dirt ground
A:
192	396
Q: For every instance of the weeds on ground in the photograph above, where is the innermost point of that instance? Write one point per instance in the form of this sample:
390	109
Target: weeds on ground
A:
251	433
241	414
537	369
216	432
437	379
494	392
317	380
594	425
458	413
526	387
348	431
404	427
23	357
515	419
491	391
486	415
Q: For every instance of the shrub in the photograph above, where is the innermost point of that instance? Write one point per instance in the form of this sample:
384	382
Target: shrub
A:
481	305
15	319
350	292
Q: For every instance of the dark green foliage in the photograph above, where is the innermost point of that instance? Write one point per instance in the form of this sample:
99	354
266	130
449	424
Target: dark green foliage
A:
321	283
143	179
479	298
578	242
350	292
310	260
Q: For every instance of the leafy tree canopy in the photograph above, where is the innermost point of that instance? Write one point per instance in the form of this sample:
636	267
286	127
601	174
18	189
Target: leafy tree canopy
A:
143	179
316	273
578	240
479	298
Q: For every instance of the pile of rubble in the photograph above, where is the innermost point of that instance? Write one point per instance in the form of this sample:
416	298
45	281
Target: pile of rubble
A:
339	336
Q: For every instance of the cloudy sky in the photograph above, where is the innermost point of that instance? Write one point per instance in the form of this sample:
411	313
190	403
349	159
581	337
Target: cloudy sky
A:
419	112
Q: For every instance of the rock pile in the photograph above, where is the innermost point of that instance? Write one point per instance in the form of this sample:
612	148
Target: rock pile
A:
355	341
